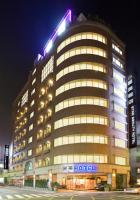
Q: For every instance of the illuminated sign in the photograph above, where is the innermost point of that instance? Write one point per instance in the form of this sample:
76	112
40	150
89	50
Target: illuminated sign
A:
59	30
85	168
80	168
6	157
132	112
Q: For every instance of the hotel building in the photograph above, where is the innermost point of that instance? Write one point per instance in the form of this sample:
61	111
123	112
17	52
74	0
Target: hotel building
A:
69	120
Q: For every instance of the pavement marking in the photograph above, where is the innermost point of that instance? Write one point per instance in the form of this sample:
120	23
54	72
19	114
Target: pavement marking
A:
9	197
19	196
35	195
28	196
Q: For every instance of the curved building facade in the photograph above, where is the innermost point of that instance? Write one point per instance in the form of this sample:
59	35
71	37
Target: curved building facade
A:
78	123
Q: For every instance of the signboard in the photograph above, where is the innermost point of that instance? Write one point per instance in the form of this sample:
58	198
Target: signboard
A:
132	112
6	157
80	168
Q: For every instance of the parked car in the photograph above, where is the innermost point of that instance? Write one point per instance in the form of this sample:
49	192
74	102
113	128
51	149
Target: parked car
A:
134	189
100	187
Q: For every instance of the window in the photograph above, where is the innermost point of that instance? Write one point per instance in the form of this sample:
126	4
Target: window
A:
33	91
48	68
31	127
131	94
32	103
82	83
119	108
64	159
34	80
118	76
40	134
50	97
130	88
73	139
81	119
120	143
117	62
82	36
116	48
83	100
40	119
31	115
29	152
120	160
24	98
81	50
34	71
30	140
81	66
119	92
120	126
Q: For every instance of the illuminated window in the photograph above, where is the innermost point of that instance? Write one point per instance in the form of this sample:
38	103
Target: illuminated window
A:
73	139
120	126
117	62
31	115
83	100
47	69
118	76
64	159
31	127
138	170
32	103
29	152
50	97
81	50
39	163
40	134
120	160
42	91
80	119
131	94
81	66
50	82
34	80
120	143
34	71
130	88
24	98
41	105
47	146
41	119
39	149
116	48
49	112
119	108
119	92
82	36
33	91
130	82
82	83
30	140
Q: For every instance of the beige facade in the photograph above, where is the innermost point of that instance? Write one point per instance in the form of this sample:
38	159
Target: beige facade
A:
72	112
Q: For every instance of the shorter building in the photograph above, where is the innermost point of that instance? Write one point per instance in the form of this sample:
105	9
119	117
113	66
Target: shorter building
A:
135	158
1	158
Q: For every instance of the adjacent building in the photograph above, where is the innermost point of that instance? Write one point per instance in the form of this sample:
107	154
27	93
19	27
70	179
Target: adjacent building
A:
70	122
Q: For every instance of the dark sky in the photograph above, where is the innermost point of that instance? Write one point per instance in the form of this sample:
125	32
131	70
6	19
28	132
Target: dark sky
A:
25	26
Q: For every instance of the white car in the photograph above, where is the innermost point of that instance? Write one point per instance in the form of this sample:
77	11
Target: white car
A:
134	189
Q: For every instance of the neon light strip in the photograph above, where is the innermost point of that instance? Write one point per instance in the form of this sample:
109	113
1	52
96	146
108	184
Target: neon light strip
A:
66	19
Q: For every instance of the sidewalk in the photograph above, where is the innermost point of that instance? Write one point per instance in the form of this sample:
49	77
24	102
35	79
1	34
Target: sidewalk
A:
45	190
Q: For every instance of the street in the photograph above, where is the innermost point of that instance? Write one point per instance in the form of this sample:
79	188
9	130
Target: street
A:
21	193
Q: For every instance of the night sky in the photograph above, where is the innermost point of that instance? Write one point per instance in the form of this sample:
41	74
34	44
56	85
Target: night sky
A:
25	26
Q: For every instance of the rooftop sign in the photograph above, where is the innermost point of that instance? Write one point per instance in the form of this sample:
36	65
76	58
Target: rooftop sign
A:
59	30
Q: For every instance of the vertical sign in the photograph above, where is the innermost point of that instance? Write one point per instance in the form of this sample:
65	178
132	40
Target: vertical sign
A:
132	112
6	157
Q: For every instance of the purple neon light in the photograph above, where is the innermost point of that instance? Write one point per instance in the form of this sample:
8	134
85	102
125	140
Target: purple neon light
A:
67	19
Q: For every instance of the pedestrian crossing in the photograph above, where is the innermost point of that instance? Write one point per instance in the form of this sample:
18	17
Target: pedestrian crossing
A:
70	196
32	196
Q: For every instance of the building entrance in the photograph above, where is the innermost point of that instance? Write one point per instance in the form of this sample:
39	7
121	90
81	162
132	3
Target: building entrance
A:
84	182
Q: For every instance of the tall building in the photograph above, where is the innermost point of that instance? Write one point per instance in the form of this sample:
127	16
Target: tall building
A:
70	121
1	158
